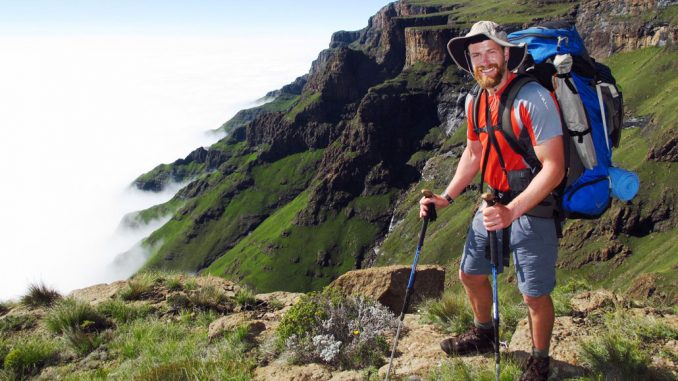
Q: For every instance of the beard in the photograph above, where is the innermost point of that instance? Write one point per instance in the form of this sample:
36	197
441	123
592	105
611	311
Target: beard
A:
485	81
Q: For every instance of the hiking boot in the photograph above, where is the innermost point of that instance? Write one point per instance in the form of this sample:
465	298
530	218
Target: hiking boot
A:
536	369
474	341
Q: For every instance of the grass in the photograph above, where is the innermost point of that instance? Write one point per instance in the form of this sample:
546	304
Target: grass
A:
276	243
27	357
452	312
458	370
151	349
223	213
625	349
122	312
70	314
39	295
16	323
245	298
302	104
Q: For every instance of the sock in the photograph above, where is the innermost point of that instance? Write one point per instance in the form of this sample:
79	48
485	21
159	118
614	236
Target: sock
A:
540	353
480	325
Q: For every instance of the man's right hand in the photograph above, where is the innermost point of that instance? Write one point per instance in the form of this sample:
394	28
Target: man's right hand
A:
437	200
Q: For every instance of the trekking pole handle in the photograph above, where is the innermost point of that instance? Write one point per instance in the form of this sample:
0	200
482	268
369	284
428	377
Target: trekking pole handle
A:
431	215
488	198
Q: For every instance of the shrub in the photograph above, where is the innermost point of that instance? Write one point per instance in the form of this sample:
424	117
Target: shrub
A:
70	314
40	295
343	332
122	312
83	342
26	358
451	312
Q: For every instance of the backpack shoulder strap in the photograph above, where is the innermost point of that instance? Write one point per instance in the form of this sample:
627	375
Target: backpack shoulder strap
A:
506	105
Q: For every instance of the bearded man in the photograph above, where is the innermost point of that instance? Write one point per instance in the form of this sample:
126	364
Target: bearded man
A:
486	53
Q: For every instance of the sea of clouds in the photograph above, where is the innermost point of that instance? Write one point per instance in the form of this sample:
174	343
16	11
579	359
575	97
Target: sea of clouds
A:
82	117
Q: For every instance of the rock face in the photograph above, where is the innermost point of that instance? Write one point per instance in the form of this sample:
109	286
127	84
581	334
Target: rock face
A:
388	284
427	45
623	25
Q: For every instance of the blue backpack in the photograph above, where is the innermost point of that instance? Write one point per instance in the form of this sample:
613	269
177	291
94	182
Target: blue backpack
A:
591	108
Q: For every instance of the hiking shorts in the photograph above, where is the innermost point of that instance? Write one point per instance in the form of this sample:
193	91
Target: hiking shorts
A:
534	244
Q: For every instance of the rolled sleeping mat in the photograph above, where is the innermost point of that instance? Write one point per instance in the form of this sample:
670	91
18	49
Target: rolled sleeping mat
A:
625	184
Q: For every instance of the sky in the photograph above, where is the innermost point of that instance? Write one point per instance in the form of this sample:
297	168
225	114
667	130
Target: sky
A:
95	93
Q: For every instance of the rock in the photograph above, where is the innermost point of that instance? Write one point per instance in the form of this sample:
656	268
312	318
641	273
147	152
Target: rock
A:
286	298
418	351
589	301
564	346
387	284
309	372
98	293
230	322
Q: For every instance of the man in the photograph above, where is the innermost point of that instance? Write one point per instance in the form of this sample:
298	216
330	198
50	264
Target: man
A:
486	53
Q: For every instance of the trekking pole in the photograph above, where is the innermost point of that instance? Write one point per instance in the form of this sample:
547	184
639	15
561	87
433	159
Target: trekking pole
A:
494	259
431	216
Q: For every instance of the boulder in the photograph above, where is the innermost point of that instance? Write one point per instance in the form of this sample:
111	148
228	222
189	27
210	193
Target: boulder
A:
387	285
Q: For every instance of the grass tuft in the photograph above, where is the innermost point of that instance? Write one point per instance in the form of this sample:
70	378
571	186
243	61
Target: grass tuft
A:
616	356
70	314
245	298
40	295
451	312
458	370
27	357
122	312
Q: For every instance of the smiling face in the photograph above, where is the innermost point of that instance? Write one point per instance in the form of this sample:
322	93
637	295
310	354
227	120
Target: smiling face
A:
489	63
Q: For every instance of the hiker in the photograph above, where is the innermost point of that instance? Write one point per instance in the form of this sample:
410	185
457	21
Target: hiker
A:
486	53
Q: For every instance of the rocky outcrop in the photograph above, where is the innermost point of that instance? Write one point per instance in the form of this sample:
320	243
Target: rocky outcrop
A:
388	284
624	25
427	45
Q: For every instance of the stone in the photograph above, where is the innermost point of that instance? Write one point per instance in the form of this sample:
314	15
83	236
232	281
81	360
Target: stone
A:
98	293
387	285
589	301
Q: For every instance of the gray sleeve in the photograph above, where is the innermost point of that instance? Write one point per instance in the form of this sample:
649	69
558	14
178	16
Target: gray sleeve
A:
542	112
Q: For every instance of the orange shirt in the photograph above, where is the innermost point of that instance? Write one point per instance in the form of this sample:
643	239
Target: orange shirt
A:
534	118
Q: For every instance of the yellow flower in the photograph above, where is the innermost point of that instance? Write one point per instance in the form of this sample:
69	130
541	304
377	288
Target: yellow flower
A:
356	332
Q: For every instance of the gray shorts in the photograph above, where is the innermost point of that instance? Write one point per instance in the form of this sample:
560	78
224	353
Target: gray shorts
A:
534	244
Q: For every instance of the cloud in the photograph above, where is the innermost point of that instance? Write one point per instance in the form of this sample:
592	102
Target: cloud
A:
83	117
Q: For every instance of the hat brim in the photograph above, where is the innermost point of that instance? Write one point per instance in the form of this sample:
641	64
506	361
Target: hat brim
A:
458	49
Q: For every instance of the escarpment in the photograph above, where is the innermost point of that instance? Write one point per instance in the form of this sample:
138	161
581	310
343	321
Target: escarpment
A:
322	179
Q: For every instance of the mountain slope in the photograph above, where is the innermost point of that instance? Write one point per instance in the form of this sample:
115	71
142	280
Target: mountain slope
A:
303	188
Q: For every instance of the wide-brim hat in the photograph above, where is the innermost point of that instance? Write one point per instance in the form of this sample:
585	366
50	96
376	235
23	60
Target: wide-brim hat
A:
480	31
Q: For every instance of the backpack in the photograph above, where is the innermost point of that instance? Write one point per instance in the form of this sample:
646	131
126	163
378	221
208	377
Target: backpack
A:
591	108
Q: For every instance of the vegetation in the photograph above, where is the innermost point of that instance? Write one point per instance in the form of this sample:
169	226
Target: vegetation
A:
26	358
344	332
625	350
458	370
70	314
40	295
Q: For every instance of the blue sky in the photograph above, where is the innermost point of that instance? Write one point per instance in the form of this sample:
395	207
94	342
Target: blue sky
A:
174	17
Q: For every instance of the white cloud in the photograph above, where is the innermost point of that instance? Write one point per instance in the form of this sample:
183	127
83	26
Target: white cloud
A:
81	117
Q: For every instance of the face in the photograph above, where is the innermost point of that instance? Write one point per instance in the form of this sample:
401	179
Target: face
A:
489	63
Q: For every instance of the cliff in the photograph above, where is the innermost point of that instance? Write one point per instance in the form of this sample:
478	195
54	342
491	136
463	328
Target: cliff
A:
325	178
